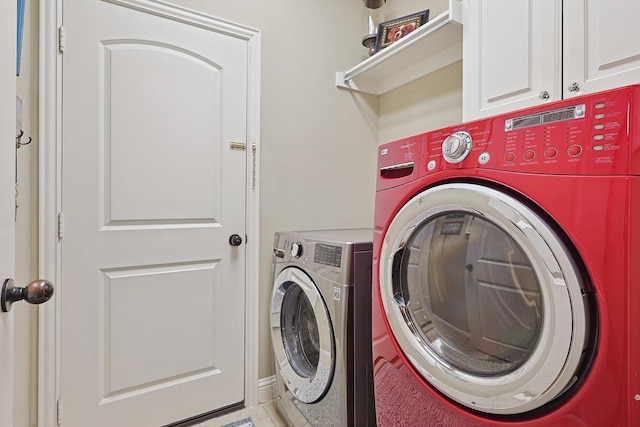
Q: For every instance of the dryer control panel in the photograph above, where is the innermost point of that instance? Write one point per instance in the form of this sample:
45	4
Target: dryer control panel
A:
596	134
593	134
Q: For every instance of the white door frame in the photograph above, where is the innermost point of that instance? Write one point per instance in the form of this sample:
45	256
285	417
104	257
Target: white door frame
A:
8	14
50	124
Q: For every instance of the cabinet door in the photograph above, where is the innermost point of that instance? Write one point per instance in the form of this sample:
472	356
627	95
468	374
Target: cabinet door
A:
511	55
601	48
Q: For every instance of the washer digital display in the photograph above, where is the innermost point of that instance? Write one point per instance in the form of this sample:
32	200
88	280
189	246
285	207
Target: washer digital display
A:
328	255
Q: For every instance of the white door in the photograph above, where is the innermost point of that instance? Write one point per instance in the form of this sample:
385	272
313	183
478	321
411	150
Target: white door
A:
7	195
152	291
512	55
601	49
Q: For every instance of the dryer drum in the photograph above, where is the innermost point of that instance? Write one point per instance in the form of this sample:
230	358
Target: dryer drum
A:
473	296
484	298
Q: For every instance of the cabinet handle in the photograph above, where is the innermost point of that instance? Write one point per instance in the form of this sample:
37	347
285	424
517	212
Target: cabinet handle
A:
573	87
543	95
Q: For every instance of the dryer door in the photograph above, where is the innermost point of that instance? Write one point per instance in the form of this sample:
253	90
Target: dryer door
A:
302	335
484	298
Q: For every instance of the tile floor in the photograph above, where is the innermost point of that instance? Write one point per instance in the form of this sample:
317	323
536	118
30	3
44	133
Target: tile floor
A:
264	415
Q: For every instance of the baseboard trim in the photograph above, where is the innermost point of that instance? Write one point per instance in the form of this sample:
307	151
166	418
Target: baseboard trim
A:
266	389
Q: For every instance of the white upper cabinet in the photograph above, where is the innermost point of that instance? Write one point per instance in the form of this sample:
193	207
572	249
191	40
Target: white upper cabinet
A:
521	53
511	55
601	45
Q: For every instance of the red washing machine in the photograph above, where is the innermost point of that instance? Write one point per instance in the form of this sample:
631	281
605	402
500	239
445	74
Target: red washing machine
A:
507	270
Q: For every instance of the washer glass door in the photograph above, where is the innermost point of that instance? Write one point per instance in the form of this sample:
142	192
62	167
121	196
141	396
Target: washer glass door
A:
483	298
302	335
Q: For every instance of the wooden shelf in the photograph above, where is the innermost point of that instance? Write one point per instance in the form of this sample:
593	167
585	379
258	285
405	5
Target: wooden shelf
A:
432	46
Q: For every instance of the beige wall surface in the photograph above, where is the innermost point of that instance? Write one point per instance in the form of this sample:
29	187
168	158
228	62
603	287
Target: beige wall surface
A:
317	142
429	103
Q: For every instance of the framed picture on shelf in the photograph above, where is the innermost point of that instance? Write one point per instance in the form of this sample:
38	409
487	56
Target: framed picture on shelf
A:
391	31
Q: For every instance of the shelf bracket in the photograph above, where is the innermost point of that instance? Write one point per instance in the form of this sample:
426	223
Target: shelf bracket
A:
343	82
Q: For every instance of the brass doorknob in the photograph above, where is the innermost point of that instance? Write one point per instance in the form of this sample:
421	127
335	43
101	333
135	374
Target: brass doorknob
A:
36	292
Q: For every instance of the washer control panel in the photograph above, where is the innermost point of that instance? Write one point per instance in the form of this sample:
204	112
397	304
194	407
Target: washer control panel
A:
328	255
296	249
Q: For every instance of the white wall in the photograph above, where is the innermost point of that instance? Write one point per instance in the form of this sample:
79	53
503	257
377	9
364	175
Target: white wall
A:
318	143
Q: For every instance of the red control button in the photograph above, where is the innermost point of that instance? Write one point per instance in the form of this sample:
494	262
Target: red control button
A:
529	155
509	157
550	153
574	150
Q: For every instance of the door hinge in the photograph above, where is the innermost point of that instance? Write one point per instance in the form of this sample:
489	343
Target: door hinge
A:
61	39
60	225
253	173
59	412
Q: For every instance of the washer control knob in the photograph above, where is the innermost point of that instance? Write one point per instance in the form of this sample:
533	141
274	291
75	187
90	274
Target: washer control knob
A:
296	249
456	147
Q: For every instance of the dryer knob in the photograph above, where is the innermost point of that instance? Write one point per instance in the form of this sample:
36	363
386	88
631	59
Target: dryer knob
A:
296	249
456	147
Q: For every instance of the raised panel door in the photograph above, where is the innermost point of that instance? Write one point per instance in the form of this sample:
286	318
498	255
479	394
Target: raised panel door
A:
601	49
152	312
511	55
